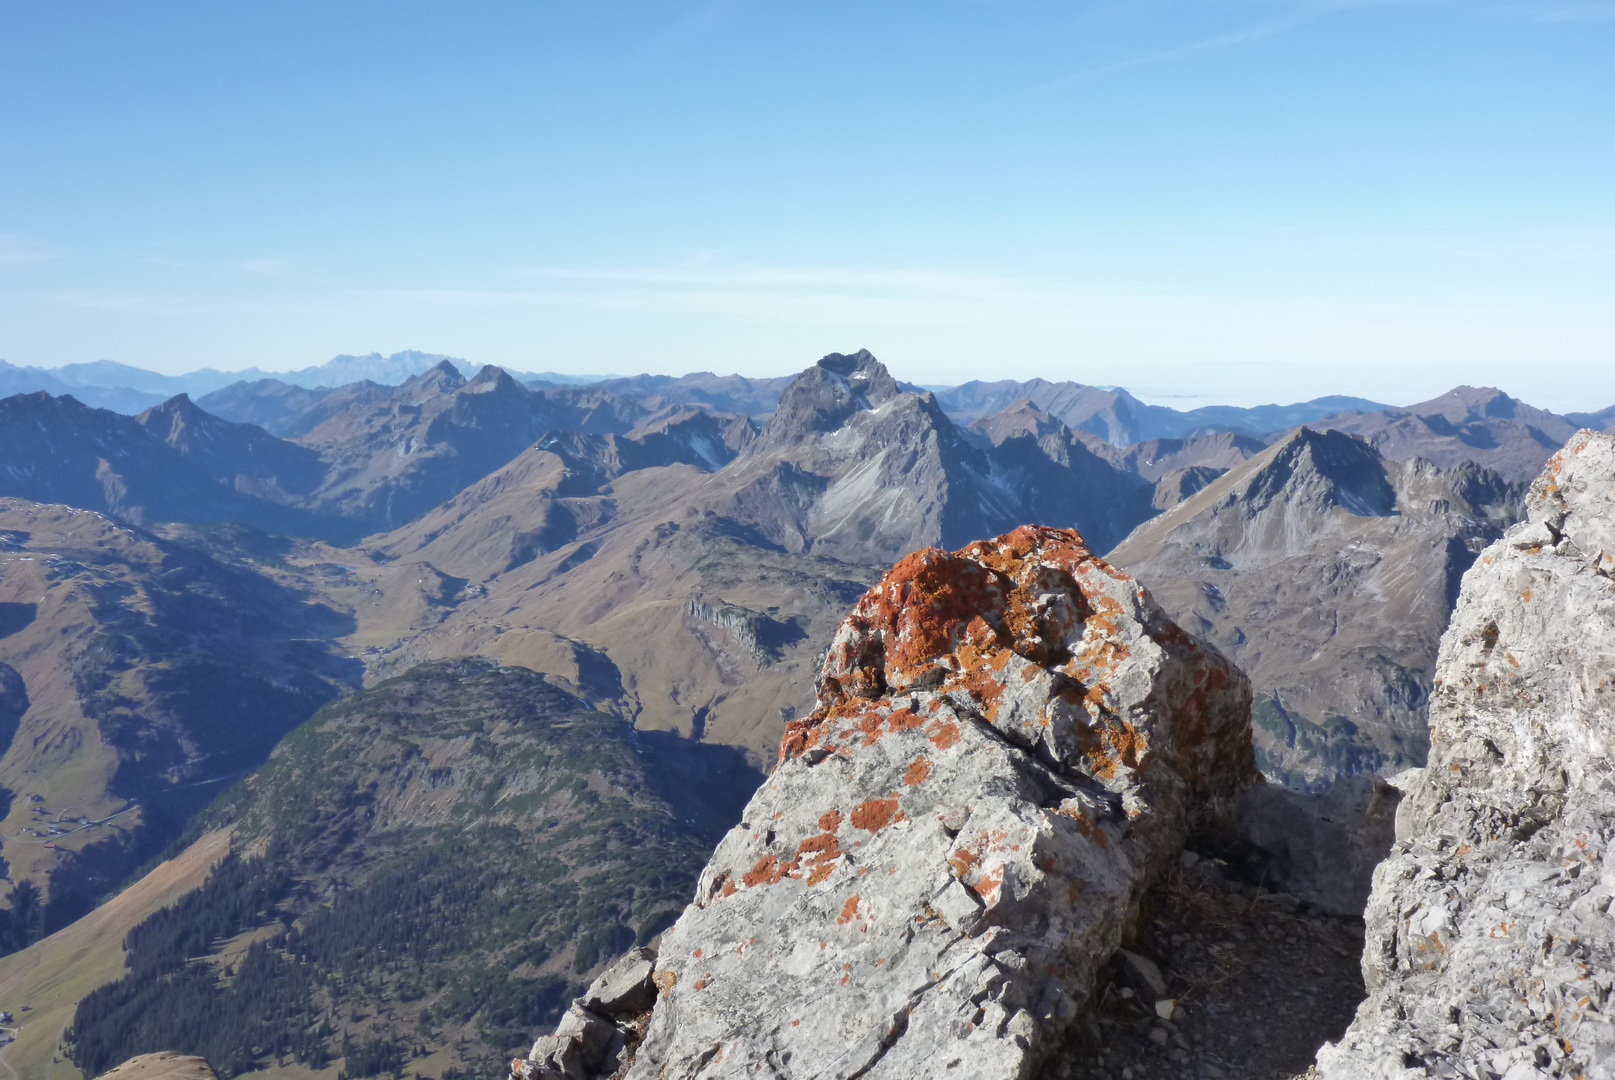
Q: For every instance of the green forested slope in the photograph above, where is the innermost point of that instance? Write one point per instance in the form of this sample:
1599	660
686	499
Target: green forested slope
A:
434	864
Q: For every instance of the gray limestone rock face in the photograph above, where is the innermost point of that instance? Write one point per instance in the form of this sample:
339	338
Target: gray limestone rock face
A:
624	987
1490	933
1010	742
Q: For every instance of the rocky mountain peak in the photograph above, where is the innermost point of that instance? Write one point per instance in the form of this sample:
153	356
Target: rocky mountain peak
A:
1468	403
824	396
177	409
1468	422
443	377
491	378
1274	503
1009	743
1017	419
1324	469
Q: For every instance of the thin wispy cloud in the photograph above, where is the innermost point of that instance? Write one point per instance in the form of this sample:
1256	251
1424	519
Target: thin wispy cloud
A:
18	251
1243	35
1561	13
126	303
1287	16
1120	316
269	267
701	21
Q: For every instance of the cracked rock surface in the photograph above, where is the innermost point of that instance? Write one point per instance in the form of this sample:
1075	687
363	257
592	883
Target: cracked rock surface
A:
1010	743
1490	933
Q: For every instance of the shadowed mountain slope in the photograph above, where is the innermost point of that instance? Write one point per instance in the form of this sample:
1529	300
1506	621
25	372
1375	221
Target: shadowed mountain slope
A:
1154	459
1602	420
397	453
275	406
174	463
1112	414
446	858
1327	573
146	671
31	380
1107	502
720	393
242	457
1121	419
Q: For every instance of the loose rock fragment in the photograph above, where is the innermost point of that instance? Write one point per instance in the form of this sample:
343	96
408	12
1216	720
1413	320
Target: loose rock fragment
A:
598	1028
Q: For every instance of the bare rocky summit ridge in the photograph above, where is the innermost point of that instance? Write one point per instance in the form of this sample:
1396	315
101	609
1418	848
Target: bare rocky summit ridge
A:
853	466
1327	572
164	1065
1010	743
57	450
243	457
1479	424
1490	947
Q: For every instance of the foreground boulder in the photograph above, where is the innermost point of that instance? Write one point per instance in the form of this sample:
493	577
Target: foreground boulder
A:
1010	742
1490	931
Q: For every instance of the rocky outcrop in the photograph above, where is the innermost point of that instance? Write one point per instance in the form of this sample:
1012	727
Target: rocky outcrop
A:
600	1029
1491	944
1010	742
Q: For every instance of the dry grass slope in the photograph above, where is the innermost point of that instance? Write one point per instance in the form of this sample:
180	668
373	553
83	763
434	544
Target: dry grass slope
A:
51	976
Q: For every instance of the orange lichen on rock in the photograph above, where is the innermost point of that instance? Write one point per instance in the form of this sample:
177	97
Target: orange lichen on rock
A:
989	884
1086	825
961	861
767	872
944	734
849	910
873	815
917	770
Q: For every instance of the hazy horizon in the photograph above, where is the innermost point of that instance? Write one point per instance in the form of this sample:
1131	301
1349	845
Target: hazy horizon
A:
1179	401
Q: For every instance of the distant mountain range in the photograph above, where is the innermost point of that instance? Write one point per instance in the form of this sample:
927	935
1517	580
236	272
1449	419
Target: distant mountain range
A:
186	584
274	399
107	384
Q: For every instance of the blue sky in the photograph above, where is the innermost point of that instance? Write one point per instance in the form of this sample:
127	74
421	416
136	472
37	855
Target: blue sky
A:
1203	200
